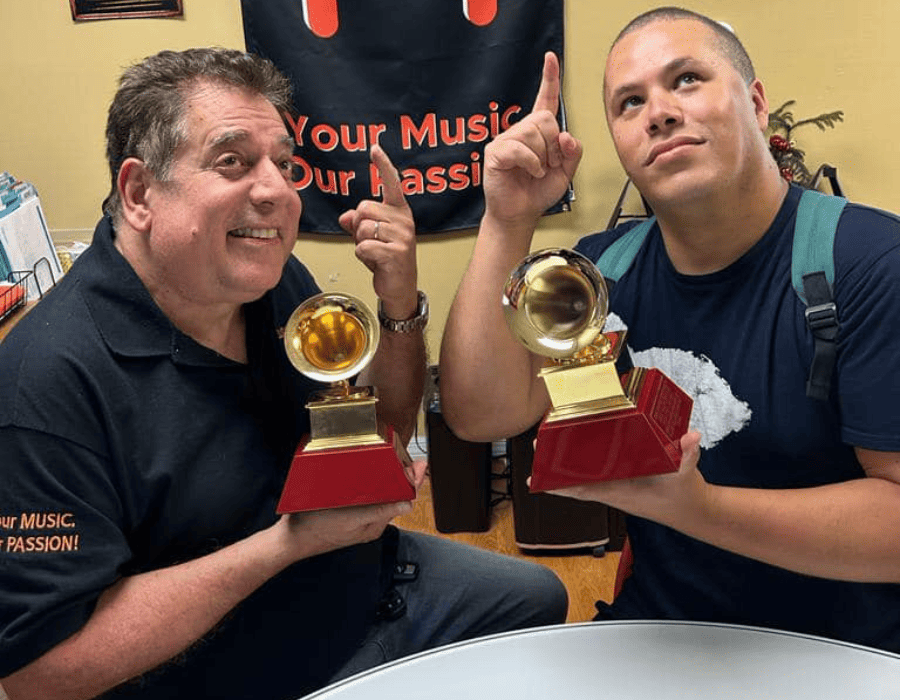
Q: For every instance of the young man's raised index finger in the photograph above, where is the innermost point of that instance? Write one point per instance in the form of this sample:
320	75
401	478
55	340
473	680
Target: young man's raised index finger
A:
393	190
548	93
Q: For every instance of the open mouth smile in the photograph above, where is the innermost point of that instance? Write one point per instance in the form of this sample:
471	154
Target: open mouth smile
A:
264	233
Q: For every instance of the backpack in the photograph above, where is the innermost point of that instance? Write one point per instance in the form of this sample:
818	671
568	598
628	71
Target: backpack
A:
812	276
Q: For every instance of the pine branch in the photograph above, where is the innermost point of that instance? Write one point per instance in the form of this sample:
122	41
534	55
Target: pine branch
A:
789	158
778	112
781	119
829	119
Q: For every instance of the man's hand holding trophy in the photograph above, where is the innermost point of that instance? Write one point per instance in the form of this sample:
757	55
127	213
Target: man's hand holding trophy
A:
602	425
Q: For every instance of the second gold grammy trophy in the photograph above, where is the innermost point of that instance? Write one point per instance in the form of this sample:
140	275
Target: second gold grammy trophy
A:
603	424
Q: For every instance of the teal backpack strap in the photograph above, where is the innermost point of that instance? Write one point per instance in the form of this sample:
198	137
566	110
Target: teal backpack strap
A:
615	260
812	276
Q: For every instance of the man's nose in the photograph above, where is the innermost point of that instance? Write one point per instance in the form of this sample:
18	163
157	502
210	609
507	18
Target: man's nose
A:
270	184
663	111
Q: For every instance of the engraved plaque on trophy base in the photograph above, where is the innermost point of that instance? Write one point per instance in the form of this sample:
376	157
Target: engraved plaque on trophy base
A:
639	439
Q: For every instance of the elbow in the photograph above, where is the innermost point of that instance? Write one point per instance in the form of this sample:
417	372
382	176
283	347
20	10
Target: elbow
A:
479	416
404	431
468	424
464	429
458	420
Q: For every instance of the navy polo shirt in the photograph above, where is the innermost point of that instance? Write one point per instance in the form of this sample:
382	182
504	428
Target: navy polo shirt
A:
127	447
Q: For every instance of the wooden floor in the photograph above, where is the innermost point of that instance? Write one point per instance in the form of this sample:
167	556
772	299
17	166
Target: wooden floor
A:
586	577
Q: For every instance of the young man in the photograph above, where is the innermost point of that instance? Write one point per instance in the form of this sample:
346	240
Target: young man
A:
789	517
148	415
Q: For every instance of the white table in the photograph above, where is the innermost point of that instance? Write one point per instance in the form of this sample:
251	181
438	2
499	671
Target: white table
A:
634	660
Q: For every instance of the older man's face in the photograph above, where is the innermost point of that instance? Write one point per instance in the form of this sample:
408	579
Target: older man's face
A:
225	221
683	121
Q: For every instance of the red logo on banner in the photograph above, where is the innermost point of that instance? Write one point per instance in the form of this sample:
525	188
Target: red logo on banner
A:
321	16
480	12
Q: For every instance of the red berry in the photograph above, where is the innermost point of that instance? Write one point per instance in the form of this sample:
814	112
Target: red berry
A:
779	143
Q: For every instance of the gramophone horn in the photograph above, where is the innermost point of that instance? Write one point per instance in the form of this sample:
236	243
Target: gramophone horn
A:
331	336
555	302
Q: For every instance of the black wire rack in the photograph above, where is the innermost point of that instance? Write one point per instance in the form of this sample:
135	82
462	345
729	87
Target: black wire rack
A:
15	291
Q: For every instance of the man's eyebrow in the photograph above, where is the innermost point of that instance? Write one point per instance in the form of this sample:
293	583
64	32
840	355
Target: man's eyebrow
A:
229	137
679	63
671	67
237	135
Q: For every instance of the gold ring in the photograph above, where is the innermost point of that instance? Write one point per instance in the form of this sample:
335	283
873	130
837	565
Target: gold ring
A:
377	226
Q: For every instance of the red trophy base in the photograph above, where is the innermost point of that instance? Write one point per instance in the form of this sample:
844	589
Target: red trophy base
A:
618	444
346	476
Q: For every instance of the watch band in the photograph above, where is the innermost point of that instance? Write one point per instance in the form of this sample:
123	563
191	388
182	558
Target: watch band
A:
415	323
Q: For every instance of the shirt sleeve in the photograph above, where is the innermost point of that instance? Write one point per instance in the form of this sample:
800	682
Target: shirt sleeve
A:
867	276
61	541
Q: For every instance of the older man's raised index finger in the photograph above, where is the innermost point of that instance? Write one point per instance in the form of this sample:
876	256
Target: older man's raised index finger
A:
548	93
393	190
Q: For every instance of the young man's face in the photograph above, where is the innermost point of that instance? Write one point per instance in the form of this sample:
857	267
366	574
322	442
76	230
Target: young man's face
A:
226	220
683	121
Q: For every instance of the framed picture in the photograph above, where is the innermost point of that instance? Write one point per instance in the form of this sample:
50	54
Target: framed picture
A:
83	10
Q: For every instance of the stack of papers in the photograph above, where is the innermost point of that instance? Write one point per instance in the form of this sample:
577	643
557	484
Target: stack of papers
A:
27	255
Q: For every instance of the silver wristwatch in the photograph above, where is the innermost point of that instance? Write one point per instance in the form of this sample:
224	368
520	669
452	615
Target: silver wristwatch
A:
416	323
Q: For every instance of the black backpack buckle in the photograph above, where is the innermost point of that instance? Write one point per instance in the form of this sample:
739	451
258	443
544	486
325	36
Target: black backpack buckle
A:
822	317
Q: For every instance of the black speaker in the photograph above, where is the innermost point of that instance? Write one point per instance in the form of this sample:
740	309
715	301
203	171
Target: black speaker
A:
460	473
544	521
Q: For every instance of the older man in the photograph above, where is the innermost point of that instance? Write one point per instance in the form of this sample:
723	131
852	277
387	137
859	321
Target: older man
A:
790	518
148	414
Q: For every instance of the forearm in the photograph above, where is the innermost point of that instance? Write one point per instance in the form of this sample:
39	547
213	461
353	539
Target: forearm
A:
489	384
398	371
144	620
845	531
488	381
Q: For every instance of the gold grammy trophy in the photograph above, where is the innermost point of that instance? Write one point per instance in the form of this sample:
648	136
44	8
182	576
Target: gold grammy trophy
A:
601	426
347	459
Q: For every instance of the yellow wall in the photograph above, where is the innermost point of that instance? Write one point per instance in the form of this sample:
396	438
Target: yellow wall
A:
59	77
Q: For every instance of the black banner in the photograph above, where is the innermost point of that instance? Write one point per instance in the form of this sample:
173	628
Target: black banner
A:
432	81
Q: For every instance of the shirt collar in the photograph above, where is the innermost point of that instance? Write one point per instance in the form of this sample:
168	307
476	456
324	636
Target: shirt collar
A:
128	319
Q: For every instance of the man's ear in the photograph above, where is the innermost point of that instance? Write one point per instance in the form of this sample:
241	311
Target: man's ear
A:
134	181
760	103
